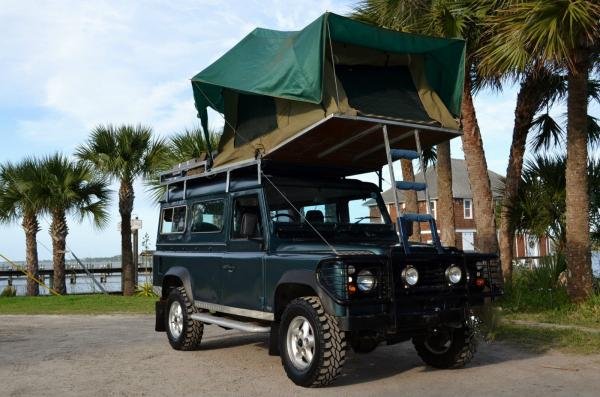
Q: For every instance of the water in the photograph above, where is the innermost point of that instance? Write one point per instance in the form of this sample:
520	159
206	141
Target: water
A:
77	283
596	263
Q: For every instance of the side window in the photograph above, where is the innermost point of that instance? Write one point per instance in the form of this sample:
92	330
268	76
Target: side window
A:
207	217
246	218
173	220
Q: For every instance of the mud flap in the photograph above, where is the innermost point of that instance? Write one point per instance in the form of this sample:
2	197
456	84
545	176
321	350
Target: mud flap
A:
159	308
274	339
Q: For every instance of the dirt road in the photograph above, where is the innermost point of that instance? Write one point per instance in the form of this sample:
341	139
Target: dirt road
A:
122	355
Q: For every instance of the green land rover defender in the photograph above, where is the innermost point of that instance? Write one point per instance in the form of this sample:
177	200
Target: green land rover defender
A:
291	253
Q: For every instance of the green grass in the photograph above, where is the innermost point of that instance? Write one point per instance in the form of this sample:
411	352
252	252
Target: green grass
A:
539	340
586	314
77	304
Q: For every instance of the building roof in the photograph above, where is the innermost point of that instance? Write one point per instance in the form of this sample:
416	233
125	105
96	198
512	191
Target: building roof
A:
461	188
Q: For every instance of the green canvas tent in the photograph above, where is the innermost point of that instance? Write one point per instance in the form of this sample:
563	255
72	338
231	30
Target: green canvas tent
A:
318	95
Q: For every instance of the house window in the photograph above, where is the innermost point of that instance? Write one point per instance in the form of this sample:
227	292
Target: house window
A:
433	208
468	208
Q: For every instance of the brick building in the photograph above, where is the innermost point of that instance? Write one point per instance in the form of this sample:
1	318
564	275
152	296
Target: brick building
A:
525	245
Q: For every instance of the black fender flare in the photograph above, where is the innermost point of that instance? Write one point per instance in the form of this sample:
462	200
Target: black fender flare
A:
307	278
183	275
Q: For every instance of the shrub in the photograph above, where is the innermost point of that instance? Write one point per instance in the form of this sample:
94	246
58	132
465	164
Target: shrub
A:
537	288
8	291
145	289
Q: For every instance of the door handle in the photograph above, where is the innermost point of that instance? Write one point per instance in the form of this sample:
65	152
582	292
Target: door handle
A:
229	268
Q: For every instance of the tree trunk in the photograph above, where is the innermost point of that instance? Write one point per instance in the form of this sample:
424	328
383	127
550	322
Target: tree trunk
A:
445	203
126	197
410	197
483	204
529	100
31	227
577	199
58	232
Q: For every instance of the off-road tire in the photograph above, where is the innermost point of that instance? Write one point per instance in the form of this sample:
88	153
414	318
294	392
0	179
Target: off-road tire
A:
192	331
460	352
330	343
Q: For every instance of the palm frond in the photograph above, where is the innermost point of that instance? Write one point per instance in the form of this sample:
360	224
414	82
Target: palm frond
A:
548	133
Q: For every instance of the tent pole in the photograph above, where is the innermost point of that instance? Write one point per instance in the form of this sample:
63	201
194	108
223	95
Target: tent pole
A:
388	153
337	94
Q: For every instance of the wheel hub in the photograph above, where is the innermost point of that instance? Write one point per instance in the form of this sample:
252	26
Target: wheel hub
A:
300	342
175	319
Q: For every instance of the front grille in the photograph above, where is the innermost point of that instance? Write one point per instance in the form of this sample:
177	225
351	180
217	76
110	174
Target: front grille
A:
430	275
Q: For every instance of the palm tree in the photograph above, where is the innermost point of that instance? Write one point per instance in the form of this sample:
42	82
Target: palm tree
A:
20	198
565	34
450	18
410	196
539	87
445	203
190	144
539	207
124	153
183	146
70	188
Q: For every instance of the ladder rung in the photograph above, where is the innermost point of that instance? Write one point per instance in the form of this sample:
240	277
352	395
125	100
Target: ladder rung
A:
416	217
399	154
404	185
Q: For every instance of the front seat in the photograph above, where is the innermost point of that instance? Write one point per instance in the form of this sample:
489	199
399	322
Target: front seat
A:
248	225
314	216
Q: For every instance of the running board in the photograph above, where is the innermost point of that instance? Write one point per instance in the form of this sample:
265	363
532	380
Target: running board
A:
228	323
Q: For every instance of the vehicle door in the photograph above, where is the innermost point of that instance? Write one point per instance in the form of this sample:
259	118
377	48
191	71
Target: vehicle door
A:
207	244
243	264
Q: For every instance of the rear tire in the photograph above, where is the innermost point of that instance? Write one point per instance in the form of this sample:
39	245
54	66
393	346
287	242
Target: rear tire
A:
312	347
450	348
183	332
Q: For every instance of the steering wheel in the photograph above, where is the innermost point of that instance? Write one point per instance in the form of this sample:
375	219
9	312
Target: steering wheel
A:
274	217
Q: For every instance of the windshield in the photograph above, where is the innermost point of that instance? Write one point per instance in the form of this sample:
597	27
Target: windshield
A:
338	213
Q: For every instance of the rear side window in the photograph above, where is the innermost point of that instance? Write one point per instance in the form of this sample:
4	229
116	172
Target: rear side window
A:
173	220
207	216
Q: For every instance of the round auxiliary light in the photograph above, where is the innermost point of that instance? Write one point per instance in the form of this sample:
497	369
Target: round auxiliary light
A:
453	274
365	280
410	275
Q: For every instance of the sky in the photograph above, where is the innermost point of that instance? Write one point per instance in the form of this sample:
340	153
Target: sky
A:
68	66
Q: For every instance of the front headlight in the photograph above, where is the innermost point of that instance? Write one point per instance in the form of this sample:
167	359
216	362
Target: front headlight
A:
410	275
453	274
365	280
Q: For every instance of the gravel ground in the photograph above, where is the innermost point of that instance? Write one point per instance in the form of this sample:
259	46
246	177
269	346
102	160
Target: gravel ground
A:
122	355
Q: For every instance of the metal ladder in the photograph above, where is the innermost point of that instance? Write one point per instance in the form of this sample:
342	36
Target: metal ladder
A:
404	221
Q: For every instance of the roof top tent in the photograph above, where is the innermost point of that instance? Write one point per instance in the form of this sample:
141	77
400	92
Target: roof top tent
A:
319	96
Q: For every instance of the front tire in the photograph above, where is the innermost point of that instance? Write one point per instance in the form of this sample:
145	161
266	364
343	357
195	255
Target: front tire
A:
448	348
183	332
312	347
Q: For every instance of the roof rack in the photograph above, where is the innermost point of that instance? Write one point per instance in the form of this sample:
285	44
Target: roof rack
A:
191	167
198	168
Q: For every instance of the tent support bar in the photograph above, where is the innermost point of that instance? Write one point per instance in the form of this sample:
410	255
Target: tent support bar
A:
379	147
421	127
423	170
348	141
388	153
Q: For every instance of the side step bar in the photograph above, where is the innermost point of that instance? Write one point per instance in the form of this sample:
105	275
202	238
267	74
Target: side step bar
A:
229	323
